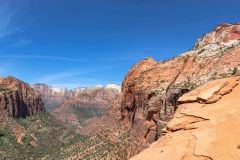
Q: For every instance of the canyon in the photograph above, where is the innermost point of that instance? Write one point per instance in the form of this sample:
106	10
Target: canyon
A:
29	131
187	105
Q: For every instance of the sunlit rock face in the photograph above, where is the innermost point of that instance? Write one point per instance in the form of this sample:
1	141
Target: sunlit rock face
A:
18	99
222	37
151	89
204	127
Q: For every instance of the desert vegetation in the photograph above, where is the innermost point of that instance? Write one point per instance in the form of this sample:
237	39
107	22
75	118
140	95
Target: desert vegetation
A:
43	137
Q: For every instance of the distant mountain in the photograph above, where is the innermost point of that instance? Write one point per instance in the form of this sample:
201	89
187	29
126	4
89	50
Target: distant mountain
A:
76	106
51	96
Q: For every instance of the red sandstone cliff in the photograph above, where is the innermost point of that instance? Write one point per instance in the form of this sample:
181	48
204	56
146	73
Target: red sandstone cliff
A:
18	99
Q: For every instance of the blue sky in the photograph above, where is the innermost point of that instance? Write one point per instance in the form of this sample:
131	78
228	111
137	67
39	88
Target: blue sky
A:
88	42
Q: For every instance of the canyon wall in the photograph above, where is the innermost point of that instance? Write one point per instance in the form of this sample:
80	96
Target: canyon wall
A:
18	99
204	127
151	89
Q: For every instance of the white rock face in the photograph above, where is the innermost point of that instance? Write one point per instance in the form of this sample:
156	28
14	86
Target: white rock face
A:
80	89
114	86
216	48
58	90
98	86
224	37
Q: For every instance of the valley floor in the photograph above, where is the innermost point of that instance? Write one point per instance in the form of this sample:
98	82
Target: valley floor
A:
43	137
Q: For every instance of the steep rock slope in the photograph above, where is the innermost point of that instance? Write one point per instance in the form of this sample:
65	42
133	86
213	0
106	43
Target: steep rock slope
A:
18	99
151	89
204	127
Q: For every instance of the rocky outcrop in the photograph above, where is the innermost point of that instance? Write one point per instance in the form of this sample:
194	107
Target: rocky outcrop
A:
18	99
151	89
204	127
225	34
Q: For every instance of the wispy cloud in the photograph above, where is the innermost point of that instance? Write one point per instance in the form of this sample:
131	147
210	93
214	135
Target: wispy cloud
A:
52	78
41	57
74	59
58	76
21	42
7	14
82	82
65	85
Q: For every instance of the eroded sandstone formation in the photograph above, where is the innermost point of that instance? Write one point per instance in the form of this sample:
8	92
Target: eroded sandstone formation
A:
18	99
151	89
204	127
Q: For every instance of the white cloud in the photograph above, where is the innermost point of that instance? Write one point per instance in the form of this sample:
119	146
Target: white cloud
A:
52	78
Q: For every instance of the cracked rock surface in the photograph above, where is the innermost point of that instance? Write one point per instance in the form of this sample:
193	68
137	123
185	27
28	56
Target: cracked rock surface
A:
204	127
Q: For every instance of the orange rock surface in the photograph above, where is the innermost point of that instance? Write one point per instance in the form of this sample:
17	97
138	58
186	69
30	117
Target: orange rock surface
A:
200	130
